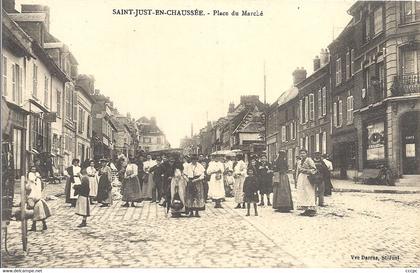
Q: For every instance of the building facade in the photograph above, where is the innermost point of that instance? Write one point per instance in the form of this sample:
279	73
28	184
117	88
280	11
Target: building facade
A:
375	76
150	136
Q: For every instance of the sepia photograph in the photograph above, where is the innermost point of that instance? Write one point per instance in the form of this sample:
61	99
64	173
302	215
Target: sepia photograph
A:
222	135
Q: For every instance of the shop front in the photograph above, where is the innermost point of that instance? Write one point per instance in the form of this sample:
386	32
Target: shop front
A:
410	142
345	153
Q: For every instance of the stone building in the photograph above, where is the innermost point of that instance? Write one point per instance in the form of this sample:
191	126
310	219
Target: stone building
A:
383	60
150	136
84	88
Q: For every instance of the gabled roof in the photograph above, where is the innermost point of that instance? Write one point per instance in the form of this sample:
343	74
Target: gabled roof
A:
288	95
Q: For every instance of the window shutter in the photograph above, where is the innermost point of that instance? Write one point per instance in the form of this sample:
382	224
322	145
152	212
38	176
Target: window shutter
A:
306	109
311	107
352	62
317	142
13	82
319	103
340	112
324	142
335	114
307	143
20	91
74	105
5	75
301	111
324	101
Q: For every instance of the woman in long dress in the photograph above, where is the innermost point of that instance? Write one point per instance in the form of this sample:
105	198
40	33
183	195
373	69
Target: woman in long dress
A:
282	194
239	173
35	201
306	198
73	178
104	186
194	197
92	174
131	185
216	183
178	185
148	181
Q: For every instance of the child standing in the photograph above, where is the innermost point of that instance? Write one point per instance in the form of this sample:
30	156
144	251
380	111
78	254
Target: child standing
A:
82	203
35	201
251	191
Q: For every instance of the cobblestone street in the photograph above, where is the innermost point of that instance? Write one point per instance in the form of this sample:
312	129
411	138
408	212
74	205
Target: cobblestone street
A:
352	224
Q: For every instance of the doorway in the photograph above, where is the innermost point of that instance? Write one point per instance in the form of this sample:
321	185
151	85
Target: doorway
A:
410	142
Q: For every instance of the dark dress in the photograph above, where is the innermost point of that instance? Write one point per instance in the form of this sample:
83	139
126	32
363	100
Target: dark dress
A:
282	194
264	178
251	190
131	186
104	186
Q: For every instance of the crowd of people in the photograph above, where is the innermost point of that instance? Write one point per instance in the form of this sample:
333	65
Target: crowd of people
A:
184	185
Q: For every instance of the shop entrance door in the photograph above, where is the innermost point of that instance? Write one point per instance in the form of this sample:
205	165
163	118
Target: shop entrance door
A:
410	143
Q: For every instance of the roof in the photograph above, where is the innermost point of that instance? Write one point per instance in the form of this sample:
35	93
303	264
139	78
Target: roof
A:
17	34
288	95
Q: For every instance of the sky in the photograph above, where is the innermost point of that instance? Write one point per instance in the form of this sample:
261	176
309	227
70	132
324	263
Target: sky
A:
186	70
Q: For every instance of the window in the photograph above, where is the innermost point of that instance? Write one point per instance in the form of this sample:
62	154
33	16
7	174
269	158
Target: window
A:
4	75
58	103
46	93
324	101
366	79
159	141
338	75
324	142
349	110
147	140
410	11
340	113
348	74
306	109
378	20
283	133
290	158
319	103
311	107
307	143
35	81
292	130
17	83
352	62
410	62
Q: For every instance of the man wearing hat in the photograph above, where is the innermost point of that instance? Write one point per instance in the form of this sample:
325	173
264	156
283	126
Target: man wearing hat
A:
323	171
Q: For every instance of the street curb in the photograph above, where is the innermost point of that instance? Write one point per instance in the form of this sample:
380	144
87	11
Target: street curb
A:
376	191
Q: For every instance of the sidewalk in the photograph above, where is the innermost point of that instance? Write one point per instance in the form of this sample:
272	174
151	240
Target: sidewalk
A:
351	186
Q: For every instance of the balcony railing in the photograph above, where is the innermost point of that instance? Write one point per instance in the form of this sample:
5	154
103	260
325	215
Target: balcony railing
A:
409	83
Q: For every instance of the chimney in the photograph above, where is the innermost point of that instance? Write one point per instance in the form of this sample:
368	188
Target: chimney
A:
38	9
317	63
9	6
324	57
87	82
250	99
231	107
153	120
298	75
